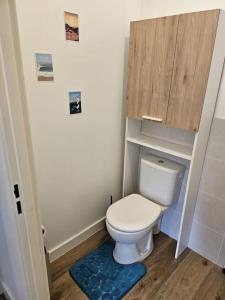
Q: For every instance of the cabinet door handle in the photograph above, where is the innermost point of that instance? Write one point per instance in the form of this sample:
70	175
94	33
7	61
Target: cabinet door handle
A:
152	118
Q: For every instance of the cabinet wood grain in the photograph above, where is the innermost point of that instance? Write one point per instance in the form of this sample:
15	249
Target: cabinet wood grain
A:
151	56
194	49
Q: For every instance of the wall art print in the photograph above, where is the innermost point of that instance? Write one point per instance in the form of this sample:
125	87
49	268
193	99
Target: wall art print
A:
71	26
75	102
44	67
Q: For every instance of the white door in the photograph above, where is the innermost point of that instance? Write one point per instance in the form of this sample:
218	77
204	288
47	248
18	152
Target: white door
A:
22	266
23	273
13	276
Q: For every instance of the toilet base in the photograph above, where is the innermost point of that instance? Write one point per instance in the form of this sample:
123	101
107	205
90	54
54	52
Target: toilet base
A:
128	253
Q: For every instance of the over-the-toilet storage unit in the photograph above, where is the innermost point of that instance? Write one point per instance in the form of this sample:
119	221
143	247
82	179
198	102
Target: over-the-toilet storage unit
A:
174	73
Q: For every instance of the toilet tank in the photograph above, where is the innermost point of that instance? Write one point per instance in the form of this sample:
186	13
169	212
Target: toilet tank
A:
160	179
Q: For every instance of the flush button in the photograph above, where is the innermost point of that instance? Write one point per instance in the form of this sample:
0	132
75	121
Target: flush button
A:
161	161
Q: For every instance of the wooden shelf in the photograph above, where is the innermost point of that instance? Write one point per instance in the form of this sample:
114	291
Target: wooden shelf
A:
162	145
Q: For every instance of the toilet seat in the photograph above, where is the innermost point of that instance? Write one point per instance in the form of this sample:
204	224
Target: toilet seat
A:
133	213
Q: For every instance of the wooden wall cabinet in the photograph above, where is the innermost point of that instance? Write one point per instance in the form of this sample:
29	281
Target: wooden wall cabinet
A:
151	56
169	62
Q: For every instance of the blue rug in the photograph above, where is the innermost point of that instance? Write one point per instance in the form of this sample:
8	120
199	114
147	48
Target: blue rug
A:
101	278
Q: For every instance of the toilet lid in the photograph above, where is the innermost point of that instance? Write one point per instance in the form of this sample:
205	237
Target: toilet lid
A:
133	213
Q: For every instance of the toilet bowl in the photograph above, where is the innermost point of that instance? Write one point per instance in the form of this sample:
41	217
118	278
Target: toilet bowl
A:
132	230
130	221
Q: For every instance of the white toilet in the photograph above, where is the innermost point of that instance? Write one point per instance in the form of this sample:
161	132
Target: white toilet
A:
130	221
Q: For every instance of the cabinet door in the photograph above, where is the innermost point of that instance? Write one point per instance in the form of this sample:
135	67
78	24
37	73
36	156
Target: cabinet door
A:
194	48
151	55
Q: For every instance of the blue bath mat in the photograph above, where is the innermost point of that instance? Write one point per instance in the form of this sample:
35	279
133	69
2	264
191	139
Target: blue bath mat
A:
101	278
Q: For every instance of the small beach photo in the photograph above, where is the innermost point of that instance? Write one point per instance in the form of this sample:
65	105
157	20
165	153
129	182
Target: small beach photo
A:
75	102
71	26
44	67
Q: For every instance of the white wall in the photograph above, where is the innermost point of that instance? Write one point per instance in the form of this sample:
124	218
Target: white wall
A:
77	158
159	8
208	227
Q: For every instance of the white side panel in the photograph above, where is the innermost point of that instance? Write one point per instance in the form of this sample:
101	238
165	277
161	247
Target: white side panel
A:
131	158
201	139
133	127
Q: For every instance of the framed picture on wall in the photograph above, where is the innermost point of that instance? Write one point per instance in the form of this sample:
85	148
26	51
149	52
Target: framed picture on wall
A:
71	26
44	67
75	102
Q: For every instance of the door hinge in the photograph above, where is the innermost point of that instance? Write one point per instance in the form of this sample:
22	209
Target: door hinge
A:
16	191
19	208
17	195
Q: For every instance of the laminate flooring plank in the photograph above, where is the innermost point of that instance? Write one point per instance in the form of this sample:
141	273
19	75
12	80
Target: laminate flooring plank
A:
185	281
213	287
159	265
64	288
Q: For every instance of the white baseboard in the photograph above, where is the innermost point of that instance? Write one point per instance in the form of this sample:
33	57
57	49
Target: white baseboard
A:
75	240
8	295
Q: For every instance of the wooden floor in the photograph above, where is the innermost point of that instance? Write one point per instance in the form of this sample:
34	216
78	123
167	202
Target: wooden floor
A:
188	277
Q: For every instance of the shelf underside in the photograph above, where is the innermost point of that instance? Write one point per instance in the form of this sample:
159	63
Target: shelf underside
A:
163	146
